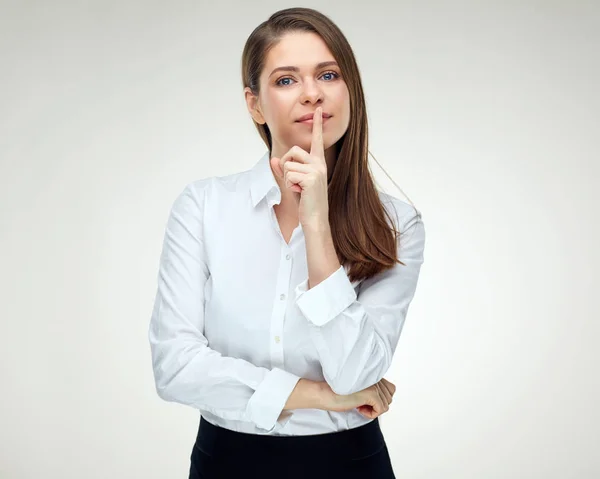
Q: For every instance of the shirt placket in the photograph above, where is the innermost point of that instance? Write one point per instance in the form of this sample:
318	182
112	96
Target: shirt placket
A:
276	339
280	306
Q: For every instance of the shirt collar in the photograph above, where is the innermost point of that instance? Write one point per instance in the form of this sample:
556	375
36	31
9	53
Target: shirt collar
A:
263	182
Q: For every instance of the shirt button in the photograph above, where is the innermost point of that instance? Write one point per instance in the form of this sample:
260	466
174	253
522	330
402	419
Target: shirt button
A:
277	339
288	256
282	297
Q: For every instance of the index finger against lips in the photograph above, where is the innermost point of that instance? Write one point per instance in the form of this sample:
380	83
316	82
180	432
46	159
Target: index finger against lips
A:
316	146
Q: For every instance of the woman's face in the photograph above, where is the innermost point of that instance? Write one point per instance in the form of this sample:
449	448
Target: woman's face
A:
286	95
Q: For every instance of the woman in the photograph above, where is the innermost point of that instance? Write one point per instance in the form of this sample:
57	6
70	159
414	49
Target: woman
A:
282	290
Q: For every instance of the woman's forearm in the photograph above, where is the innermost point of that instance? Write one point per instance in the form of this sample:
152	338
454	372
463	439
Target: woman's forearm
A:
308	395
370	402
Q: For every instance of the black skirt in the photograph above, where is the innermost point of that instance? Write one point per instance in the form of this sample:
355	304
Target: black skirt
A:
355	453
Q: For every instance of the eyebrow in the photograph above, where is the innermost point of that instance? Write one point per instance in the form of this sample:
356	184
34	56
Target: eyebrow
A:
296	69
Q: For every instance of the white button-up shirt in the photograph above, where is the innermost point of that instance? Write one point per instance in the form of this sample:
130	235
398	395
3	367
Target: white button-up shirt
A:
234	325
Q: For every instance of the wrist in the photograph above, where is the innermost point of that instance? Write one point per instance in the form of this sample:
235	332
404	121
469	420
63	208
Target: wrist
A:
307	394
331	401
317	226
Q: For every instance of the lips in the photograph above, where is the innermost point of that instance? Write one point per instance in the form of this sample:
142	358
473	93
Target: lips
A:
309	116
310	121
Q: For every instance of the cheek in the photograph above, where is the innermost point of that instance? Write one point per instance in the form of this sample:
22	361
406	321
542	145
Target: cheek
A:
343	98
345	110
277	108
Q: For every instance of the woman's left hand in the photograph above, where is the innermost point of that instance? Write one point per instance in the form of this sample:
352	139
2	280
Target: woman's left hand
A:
371	402
306	174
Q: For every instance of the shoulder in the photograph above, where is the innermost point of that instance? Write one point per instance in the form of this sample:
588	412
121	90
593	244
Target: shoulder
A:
403	214
409	222
211	189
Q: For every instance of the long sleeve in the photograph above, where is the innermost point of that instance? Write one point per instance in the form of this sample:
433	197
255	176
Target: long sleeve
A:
356	336
186	369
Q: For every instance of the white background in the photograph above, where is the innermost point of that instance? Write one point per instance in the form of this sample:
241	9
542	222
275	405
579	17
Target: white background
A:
484	113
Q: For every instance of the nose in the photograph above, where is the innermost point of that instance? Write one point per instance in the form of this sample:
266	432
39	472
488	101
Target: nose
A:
311	92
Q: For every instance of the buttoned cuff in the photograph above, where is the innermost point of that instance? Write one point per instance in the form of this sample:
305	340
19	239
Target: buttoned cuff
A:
265	407
327	300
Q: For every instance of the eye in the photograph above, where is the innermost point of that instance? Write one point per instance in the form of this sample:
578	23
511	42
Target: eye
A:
331	73
278	82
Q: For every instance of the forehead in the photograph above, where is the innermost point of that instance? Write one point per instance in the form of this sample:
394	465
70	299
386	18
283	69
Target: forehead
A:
301	49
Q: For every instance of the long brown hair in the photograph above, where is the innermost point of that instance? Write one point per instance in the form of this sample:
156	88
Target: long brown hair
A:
362	236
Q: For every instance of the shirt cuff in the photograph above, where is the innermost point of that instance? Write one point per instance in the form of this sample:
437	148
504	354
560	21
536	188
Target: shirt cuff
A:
326	300
265	407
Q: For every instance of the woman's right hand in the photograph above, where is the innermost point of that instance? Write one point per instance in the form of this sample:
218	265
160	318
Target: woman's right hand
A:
370	402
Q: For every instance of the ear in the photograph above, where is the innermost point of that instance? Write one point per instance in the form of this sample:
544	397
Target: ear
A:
253	106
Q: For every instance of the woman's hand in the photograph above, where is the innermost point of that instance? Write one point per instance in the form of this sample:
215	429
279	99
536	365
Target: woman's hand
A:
370	402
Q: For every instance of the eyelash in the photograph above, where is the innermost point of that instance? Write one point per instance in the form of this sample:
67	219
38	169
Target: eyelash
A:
335	74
